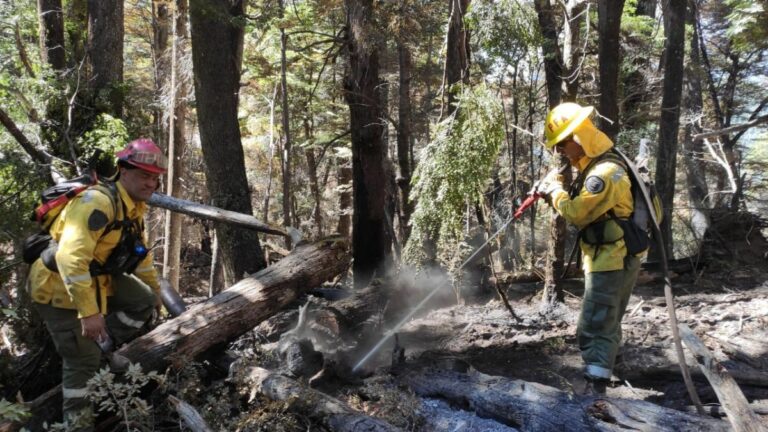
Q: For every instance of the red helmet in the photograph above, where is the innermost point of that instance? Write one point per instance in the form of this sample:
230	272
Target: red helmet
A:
143	153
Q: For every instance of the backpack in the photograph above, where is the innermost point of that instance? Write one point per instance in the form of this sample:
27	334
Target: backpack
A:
637	229
52	202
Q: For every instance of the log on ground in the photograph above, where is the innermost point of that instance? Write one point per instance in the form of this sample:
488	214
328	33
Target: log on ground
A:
237	310
536	407
735	405
331	412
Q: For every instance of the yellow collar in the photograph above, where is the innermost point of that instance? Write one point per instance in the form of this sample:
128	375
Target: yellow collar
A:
582	164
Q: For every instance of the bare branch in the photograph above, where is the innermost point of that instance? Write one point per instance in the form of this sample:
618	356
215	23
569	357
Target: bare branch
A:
36	153
23	52
759	120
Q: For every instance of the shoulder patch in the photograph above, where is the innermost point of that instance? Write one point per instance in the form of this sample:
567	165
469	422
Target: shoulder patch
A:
97	220
594	184
86	196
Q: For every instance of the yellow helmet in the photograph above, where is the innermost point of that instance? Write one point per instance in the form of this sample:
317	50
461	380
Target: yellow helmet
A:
562	120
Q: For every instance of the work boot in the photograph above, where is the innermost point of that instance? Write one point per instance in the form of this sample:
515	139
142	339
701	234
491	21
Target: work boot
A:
595	386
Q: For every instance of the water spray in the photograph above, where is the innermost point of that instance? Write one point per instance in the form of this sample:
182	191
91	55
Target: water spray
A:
532	198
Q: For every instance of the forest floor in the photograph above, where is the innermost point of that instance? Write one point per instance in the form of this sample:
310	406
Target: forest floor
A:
724	303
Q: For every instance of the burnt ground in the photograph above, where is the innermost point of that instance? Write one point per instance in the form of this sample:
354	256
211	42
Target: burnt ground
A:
724	301
726	308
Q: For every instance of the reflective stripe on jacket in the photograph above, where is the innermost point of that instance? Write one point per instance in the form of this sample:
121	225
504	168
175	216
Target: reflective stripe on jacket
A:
79	244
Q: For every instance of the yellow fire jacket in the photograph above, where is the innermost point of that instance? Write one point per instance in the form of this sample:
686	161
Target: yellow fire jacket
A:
73	287
606	186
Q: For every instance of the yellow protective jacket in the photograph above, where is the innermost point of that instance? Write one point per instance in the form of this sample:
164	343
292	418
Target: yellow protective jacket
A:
606	186
78	244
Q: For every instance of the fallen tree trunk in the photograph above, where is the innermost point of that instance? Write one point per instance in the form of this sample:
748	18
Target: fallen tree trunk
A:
728	392
216	214
331	412
225	316
238	309
535	407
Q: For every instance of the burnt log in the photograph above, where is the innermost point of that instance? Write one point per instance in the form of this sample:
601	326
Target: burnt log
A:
733	401
536	407
223	317
331	412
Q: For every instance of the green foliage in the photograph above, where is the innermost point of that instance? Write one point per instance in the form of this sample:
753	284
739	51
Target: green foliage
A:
122	396
746	24
98	146
13	412
506	30
453	172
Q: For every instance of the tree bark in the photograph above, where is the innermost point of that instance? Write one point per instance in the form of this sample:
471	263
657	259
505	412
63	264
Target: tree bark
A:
608	25
344	226
314	185
572	47
693	148
371	243
77	30
666	163
553	58
217	42
287	154
742	418
519	404
105	54
215	214
331	412
553	69
51	20
404	137
457	56
646	8
179	131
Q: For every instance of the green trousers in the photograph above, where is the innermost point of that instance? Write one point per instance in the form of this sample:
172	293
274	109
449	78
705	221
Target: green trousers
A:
128	311
606	295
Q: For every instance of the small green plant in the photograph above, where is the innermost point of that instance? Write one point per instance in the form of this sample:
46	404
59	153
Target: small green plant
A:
10	411
122	396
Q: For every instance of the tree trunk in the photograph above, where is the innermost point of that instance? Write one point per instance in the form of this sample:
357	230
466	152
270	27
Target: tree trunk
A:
176	147
404	137
609	23
52	34
519	404
371	244
553	69
77	30
314	185
674	28
344	226
646	8
287	152
553	59
457	56
217	42
572	47
693	149
105	54
226	316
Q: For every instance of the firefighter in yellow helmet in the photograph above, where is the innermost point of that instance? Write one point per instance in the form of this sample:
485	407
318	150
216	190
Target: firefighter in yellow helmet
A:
96	285
597	203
